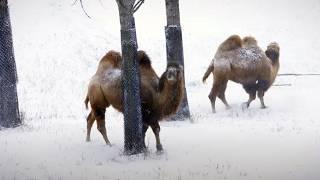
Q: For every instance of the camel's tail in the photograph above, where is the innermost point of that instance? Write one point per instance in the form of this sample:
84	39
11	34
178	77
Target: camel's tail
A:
207	73
86	101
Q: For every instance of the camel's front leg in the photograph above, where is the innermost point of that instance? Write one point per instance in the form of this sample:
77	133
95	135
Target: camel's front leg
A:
156	130
260	95
252	96
144	130
251	89
263	86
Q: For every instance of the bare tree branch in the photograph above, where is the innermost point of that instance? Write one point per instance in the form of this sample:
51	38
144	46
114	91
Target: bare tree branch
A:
137	5
282	84
81	7
100	1
74	2
299	74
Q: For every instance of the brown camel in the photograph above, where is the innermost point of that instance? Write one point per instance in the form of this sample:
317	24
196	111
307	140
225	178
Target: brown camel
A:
160	97
244	62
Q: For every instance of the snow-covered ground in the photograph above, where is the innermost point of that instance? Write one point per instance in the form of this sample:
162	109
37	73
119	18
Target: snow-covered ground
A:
57	50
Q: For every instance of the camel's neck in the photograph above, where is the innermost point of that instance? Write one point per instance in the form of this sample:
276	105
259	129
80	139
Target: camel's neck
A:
275	69
170	98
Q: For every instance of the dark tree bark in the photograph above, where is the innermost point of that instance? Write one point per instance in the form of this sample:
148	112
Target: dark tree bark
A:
133	140
9	108
174	48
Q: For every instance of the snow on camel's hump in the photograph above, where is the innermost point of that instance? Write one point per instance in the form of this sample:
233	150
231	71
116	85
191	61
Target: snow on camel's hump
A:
112	75
243	58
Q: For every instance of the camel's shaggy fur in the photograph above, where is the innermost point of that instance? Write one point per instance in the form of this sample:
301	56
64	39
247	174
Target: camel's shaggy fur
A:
244	62
160	97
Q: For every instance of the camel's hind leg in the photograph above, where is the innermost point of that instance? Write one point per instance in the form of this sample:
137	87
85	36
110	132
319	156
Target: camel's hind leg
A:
251	89
100	117
90	121
221	94
213	96
218	87
156	130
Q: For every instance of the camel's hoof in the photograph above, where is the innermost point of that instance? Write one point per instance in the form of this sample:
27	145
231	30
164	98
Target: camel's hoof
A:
245	105
159	148
214	111
159	153
88	140
109	144
263	107
228	107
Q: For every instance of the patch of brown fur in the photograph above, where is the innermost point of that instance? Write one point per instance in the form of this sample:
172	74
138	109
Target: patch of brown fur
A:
233	42
144	59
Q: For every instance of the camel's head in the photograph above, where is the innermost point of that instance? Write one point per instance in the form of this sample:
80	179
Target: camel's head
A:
174	73
273	52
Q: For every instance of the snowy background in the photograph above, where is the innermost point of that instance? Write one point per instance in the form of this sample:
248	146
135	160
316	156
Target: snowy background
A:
57	50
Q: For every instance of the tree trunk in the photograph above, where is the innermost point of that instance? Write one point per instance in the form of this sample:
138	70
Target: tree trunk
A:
133	139
9	108
174	48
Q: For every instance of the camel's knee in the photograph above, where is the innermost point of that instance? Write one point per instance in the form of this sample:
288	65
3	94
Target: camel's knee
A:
90	120
260	94
213	93
221	95
101	126
211	96
252	96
